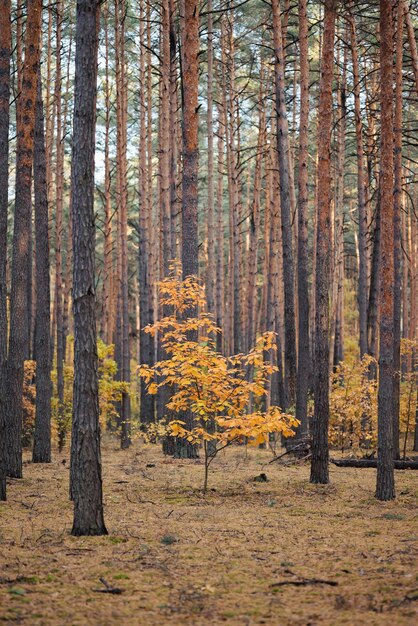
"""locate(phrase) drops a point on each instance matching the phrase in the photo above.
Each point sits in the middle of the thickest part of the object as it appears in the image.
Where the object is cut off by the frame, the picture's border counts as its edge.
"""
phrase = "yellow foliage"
(353, 405)
(28, 403)
(110, 392)
(217, 390)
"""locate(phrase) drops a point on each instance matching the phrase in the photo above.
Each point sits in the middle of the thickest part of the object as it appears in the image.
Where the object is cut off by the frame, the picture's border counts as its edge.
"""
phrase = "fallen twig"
(360, 463)
(305, 581)
(108, 588)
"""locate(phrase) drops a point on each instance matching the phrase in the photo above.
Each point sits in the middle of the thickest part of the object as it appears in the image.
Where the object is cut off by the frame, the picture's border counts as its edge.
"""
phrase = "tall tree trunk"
(42, 434)
(385, 484)
(320, 452)
(108, 304)
(220, 296)
(302, 385)
(190, 242)
(146, 347)
(173, 124)
(412, 42)
(18, 339)
(254, 227)
(338, 281)
(59, 198)
(210, 268)
(86, 474)
(283, 148)
(397, 208)
(5, 54)
(121, 159)
(361, 196)
(372, 311)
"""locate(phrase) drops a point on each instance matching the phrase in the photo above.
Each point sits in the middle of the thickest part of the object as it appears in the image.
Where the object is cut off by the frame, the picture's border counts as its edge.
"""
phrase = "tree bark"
(320, 452)
(190, 242)
(146, 347)
(302, 384)
(283, 148)
(5, 57)
(361, 196)
(385, 485)
(121, 159)
(210, 268)
(18, 339)
(42, 435)
(397, 208)
(86, 484)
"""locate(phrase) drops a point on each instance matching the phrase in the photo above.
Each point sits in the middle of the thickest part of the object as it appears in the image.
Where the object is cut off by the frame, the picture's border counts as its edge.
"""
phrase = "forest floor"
(184, 558)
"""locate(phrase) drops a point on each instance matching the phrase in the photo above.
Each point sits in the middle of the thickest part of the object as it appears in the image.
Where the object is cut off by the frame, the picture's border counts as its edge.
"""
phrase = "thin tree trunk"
(385, 484)
(18, 339)
(146, 347)
(190, 242)
(210, 269)
(86, 472)
(361, 196)
(397, 208)
(5, 55)
(121, 158)
(42, 433)
(108, 303)
(302, 385)
(320, 452)
(254, 227)
(59, 193)
(283, 148)
(337, 320)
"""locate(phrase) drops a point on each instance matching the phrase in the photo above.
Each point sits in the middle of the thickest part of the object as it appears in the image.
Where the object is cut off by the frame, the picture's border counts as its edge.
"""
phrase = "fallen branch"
(108, 588)
(299, 447)
(305, 581)
(360, 463)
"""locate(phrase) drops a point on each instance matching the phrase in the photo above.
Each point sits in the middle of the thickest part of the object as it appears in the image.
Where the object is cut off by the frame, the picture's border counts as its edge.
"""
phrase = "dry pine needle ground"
(183, 558)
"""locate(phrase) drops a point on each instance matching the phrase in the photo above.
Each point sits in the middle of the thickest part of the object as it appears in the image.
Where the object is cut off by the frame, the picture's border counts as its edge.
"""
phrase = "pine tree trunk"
(18, 339)
(302, 385)
(220, 296)
(283, 148)
(59, 191)
(108, 304)
(397, 208)
(86, 475)
(210, 268)
(121, 158)
(254, 226)
(361, 197)
(5, 56)
(320, 453)
(190, 242)
(42, 434)
(385, 485)
(146, 347)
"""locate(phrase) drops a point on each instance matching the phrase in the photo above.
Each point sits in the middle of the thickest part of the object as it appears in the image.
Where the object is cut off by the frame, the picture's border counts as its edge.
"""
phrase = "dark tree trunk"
(397, 230)
(361, 197)
(303, 196)
(283, 149)
(190, 242)
(146, 341)
(385, 485)
(374, 289)
(320, 452)
(5, 53)
(42, 435)
(86, 474)
(18, 339)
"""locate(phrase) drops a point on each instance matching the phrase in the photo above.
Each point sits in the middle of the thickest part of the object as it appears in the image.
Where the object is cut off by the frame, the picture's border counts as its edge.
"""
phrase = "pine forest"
(208, 312)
